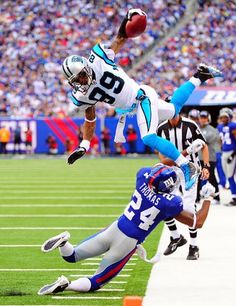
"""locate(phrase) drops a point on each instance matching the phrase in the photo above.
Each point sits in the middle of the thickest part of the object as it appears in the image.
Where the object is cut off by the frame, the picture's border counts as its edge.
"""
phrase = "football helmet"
(162, 179)
(226, 112)
(78, 73)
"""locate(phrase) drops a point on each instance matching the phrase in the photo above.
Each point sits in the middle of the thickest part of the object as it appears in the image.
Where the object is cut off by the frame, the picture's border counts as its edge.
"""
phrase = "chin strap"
(142, 253)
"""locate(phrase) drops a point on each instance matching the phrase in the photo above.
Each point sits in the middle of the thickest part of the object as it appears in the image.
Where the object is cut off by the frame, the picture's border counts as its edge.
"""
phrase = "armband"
(91, 121)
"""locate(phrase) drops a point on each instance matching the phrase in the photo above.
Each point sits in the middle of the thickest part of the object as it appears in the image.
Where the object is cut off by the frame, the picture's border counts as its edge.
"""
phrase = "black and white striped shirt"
(182, 135)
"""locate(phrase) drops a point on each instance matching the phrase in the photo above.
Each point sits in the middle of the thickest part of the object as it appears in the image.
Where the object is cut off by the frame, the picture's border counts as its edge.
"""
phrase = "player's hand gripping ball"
(137, 22)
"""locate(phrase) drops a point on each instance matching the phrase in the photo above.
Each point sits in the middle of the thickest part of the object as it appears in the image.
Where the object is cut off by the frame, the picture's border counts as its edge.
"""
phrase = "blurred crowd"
(35, 37)
(209, 37)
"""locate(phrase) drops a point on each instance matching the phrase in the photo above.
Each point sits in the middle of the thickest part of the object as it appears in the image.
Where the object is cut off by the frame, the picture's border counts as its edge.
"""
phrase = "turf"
(45, 193)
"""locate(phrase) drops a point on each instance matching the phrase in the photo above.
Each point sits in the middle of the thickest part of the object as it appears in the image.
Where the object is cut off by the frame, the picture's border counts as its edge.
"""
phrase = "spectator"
(212, 139)
(106, 137)
(52, 145)
(17, 140)
(68, 145)
(94, 146)
(227, 132)
(5, 137)
(131, 137)
(28, 141)
(194, 115)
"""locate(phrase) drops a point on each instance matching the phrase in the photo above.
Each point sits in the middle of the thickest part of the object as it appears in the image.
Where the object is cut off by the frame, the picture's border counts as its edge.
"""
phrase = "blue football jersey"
(147, 209)
(227, 137)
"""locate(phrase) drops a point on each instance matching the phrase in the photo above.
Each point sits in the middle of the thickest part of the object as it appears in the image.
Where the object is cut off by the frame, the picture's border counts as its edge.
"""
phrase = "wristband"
(85, 144)
(207, 166)
(90, 120)
(210, 198)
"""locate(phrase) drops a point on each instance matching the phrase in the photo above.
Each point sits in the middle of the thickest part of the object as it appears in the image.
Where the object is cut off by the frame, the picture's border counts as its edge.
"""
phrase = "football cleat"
(174, 244)
(55, 242)
(193, 253)
(205, 72)
(231, 203)
(190, 174)
(58, 286)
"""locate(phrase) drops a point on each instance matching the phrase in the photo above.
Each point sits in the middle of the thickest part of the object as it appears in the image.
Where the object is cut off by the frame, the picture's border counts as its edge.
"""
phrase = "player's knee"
(70, 259)
(150, 140)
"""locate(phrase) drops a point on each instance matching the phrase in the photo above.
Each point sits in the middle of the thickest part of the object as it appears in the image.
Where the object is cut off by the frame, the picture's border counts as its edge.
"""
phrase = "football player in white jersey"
(98, 78)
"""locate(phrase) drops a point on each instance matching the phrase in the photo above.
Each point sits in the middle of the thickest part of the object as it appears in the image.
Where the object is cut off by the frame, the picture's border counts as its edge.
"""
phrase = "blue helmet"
(162, 179)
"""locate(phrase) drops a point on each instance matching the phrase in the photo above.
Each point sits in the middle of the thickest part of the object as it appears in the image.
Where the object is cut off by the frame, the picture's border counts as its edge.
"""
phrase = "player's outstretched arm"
(121, 37)
(197, 220)
(88, 131)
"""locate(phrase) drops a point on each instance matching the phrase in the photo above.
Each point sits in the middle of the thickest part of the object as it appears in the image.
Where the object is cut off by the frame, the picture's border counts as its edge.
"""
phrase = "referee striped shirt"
(182, 135)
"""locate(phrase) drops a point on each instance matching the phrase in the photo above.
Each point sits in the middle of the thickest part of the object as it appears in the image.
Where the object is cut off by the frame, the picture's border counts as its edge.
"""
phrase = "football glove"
(231, 157)
(128, 16)
(195, 146)
(207, 191)
(76, 154)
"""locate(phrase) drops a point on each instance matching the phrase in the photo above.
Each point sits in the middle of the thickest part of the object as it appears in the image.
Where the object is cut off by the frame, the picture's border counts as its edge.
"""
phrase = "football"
(136, 25)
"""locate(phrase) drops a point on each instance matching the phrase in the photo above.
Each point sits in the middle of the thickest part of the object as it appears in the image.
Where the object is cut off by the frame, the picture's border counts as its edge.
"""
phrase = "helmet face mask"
(162, 179)
(78, 73)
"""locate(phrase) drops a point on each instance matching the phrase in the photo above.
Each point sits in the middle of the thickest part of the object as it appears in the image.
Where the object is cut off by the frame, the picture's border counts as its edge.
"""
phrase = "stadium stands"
(35, 37)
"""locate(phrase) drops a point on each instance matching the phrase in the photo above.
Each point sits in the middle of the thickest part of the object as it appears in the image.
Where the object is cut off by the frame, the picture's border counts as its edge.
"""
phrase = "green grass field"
(43, 197)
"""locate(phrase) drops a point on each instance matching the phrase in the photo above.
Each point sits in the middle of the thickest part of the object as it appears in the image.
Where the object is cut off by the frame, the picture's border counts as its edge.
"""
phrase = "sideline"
(210, 281)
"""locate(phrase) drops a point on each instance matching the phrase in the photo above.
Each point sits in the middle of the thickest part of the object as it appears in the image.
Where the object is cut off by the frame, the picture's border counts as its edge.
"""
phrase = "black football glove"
(76, 154)
(231, 157)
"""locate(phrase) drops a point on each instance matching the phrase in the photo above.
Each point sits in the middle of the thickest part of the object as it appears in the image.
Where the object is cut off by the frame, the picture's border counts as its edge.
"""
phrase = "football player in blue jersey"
(152, 202)
(227, 130)
(98, 78)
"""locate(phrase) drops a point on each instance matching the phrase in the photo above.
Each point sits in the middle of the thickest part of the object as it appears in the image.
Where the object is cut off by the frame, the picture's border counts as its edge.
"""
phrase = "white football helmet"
(78, 73)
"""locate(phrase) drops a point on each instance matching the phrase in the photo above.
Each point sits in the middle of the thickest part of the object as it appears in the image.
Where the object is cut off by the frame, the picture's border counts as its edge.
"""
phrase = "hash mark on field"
(50, 270)
(119, 275)
(60, 197)
(112, 191)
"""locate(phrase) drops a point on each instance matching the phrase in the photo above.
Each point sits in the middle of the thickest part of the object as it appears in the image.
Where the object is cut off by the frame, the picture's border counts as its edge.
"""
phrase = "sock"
(181, 95)
(193, 236)
(172, 227)
(195, 81)
(80, 285)
(162, 145)
(66, 250)
(232, 186)
(181, 160)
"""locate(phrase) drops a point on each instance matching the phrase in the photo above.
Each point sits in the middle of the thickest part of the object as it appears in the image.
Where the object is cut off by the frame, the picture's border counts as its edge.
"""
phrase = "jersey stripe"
(97, 49)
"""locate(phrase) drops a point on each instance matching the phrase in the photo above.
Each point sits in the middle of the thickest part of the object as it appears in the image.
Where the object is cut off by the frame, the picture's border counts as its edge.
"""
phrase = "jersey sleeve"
(233, 126)
(174, 207)
(197, 133)
(103, 54)
(80, 100)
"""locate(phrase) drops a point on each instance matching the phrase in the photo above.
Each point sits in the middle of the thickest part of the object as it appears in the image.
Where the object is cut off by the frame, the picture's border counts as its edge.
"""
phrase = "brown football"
(136, 25)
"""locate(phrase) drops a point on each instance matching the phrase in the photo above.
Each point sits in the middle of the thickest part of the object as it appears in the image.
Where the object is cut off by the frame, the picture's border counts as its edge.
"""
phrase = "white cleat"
(58, 286)
(55, 242)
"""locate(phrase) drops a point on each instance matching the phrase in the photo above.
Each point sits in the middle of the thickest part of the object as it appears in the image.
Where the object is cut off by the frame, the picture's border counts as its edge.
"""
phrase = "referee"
(184, 133)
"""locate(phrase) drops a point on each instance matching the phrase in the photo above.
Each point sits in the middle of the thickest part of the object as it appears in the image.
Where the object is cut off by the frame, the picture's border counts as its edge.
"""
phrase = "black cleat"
(174, 244)
(193, 253)
(205, 72)
(231, 203)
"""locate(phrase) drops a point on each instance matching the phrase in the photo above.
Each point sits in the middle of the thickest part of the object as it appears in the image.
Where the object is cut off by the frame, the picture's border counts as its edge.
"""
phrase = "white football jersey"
(112, 86)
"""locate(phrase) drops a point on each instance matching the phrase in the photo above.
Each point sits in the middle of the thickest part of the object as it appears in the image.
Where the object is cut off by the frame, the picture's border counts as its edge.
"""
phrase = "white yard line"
(62, 197)
(86, 297)
(119, 275)
(50, 228)
(50, 270)
(58, 216)
(209, 281)
(105, 191)
(104, 205)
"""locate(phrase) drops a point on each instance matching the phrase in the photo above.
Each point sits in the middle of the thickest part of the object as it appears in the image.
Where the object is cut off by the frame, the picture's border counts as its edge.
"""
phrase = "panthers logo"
(76, 59)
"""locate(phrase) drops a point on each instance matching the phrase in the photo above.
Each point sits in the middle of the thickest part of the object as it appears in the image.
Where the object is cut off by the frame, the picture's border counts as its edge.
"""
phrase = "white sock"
(195, 81)
(193, 241)
(181, 160)
(175, 234)
(81, 285)
(66, 250)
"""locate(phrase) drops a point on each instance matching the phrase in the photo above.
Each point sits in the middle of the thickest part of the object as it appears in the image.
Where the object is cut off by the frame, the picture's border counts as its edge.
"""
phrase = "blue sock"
(232, 185)
(181, 95)
(164, 146)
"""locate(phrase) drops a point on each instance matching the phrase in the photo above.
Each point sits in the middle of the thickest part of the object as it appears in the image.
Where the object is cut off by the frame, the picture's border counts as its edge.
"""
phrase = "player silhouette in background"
(151, 203)
(98, 78)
